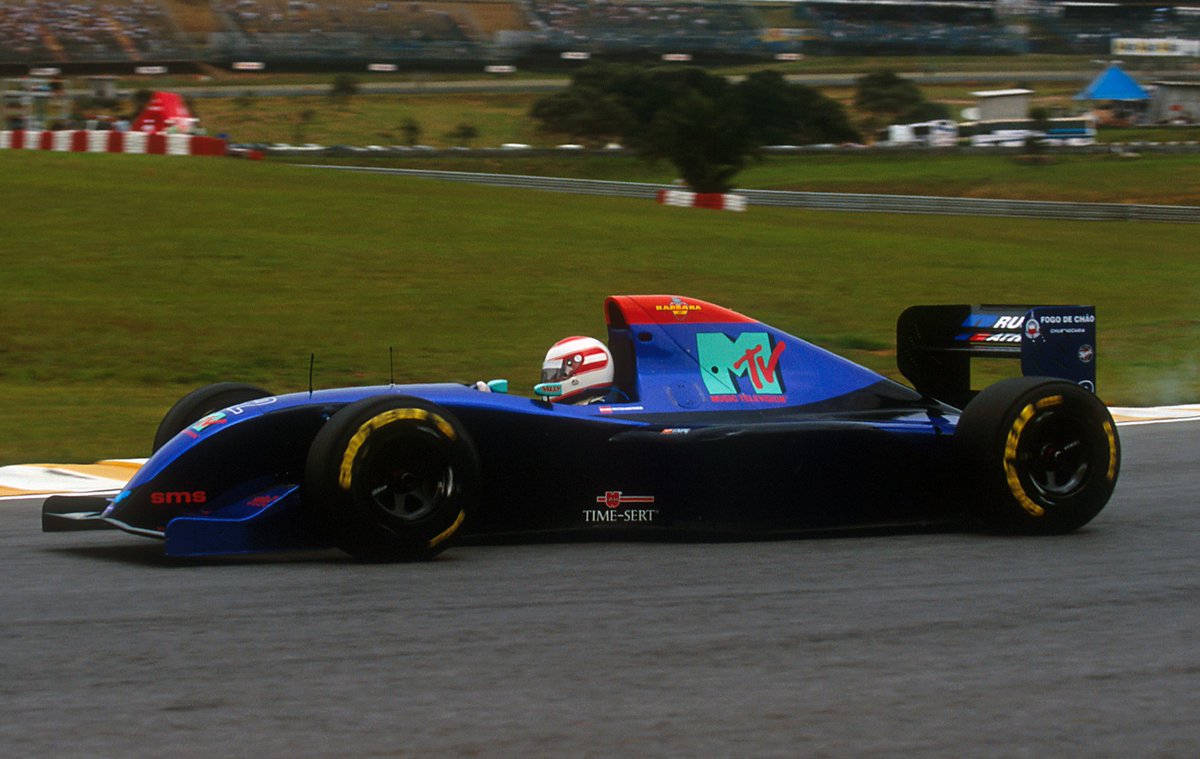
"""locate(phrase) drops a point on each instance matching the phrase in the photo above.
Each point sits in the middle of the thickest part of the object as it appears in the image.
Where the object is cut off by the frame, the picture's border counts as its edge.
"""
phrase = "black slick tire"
(200, 403)
(392, 478)
(1041, 456)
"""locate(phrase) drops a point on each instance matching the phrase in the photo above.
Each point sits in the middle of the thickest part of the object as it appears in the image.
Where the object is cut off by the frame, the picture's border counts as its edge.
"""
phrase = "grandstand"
(371, 19)
(193, 19)
(467, 32)
(1090, 27)
(980, 26)
(918, 26)
(60, 32)
(663, 26)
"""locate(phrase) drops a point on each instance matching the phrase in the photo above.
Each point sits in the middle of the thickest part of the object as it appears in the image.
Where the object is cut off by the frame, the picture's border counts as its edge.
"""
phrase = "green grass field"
(1151, 178)
(376, 119)
(128, 280)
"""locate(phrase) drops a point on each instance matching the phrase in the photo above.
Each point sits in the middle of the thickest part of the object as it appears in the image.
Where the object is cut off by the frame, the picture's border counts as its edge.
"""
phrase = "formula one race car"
(719, 427)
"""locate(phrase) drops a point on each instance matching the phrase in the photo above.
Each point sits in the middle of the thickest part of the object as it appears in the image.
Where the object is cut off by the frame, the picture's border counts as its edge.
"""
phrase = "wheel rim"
(408, 476)
(1056, 455)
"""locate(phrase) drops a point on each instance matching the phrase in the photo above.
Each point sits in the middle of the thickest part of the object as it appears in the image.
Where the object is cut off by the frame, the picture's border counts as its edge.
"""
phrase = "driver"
(583, 365)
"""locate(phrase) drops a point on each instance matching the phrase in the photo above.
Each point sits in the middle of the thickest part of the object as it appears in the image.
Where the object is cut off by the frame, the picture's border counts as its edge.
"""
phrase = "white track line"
(1156, 414)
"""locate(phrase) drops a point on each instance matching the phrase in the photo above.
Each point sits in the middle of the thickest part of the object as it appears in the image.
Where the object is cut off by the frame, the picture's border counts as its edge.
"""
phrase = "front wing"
(272, 520)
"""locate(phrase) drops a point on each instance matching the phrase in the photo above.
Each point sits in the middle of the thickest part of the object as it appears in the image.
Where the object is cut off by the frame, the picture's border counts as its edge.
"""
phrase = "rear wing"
(936, 344)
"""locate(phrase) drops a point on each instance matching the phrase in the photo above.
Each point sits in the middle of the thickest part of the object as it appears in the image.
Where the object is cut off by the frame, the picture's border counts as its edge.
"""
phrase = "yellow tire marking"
(1049, 401)
(449, 530)
(346, 470)
(1112, 450)
(1010, 456)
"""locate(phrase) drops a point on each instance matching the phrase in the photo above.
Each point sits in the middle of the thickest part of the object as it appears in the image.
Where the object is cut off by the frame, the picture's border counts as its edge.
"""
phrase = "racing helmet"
(583, 365)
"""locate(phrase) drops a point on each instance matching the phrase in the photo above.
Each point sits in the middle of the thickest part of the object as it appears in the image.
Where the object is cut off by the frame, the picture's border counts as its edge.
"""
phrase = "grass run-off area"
(129, 280)
(1150, 178)
(503, 117)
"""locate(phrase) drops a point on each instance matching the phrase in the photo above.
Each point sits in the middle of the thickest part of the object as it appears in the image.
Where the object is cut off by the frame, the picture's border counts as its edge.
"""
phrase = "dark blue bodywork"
(720, 426)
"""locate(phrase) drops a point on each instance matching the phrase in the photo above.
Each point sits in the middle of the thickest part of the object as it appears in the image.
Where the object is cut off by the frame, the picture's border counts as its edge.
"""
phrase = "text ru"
(628, 515)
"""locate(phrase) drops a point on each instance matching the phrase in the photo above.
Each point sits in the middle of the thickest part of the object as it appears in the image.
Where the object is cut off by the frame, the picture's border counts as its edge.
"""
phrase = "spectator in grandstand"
(572, 21)
(59, 30)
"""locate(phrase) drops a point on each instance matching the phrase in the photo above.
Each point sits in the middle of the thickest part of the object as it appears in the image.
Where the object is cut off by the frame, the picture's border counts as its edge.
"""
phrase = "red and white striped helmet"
(582, 364)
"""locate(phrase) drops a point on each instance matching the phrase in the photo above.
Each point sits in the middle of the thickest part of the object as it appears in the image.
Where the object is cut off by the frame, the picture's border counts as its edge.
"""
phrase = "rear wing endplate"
(936, 344)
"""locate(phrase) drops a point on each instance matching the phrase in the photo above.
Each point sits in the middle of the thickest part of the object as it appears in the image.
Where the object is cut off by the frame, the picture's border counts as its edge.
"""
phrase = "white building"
(1175, 102)
(998, 105)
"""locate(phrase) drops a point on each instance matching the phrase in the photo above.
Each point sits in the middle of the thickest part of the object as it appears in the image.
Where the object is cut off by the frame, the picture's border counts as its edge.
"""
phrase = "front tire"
(1042, 455)
(392, 478)
(201, 402)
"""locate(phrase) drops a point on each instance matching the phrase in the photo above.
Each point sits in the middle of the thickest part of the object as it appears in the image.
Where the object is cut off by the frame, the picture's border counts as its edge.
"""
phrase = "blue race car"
(716, 426)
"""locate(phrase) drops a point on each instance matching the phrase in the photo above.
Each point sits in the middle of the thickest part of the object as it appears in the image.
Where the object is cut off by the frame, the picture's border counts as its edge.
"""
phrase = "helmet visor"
(557, 371)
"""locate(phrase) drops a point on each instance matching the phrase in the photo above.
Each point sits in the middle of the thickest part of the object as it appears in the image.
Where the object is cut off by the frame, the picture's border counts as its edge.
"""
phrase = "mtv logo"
(751, 354)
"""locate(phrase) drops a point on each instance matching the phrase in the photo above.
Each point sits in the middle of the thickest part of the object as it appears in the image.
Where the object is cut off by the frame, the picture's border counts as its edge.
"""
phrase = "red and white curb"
(714, 200)
(108, 477)
(108, 141)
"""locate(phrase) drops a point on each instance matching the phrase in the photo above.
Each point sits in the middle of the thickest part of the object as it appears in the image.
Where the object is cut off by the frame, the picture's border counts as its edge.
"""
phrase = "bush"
(411, 130)
(463, 134)
(343, 88)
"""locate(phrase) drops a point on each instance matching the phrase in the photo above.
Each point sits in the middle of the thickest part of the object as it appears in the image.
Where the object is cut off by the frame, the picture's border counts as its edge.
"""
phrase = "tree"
(779, 113)
(463, 134)
(1040, 116)
(708, 128)
(888, 98)
(411, 130)
(705, 136)
(584, 114)
(886, 93)
(244, 101)
(926, 110)
(303, 120)
(343, 88)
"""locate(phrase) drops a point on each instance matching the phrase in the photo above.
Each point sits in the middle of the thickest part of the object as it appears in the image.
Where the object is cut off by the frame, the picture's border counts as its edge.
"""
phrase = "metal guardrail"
(826, 201)
(921, 204)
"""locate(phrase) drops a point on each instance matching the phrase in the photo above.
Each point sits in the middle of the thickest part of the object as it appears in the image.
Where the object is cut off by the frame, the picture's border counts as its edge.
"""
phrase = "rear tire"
(199, 403)
(392, 478)
(1042, 455)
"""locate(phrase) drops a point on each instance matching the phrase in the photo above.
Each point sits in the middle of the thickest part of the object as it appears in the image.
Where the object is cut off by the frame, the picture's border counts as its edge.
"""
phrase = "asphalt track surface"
(928, 645)
(424, 85)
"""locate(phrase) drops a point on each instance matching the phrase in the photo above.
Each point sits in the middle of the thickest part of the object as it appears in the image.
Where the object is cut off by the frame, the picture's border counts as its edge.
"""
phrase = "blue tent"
(1113, 84)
